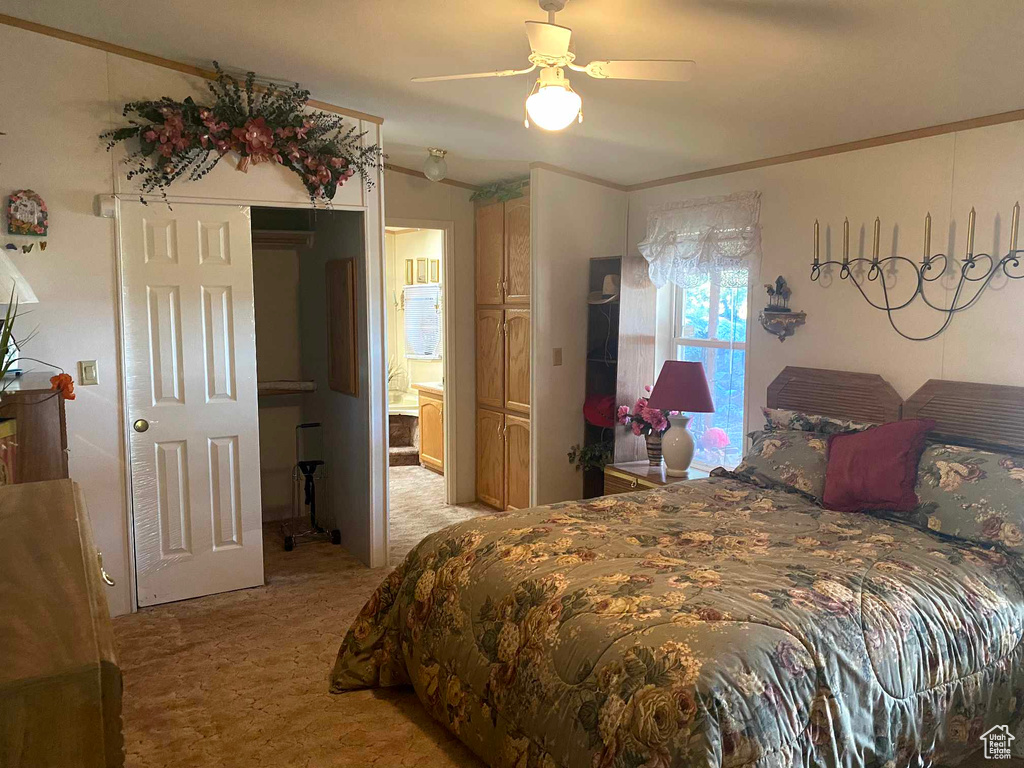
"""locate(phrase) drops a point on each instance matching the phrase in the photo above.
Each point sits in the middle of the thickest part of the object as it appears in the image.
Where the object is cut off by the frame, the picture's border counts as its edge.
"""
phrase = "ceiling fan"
(553, 104)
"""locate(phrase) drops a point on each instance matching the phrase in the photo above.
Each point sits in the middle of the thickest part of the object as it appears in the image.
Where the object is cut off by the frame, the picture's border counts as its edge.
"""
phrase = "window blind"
(422, 322)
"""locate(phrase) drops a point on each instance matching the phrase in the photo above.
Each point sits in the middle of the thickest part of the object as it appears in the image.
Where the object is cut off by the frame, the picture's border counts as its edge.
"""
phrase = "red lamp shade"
(682, 386)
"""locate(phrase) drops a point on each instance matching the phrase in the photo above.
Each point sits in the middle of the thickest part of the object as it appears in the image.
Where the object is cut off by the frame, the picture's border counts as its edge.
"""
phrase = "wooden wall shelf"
(267, 388)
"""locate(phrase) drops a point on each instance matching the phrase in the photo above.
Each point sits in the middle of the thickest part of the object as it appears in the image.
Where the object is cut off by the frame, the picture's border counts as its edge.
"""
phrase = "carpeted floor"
(240, 679)
(417, 508)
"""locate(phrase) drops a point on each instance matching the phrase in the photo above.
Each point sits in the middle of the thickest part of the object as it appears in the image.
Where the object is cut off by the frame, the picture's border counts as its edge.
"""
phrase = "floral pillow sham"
(781, 419)
(970, 494)
(792, 459)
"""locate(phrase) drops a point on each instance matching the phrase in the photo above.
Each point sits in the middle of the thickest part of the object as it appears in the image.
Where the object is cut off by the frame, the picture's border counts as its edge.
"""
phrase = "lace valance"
(689, 241)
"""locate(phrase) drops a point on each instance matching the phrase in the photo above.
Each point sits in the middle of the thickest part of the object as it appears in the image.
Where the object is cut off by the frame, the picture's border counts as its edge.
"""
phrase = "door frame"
(448, 397)
(109, 206)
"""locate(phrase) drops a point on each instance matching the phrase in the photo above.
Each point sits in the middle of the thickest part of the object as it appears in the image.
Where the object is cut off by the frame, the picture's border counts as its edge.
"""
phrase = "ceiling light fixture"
(553, 104)
(435, 168)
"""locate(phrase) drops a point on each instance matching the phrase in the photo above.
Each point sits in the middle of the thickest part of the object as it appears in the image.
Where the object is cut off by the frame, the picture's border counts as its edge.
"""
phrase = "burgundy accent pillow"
(876, 468)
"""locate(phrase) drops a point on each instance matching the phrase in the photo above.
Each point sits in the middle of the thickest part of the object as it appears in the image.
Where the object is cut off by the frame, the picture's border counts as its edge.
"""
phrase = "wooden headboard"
(987, 416)
(863, 397)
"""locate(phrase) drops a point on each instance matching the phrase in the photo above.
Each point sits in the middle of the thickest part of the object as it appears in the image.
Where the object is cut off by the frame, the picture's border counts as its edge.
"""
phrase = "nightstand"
(640, 475)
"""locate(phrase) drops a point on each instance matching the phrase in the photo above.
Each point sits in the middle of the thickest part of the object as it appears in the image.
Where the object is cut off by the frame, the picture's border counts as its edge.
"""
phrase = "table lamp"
(681, 386)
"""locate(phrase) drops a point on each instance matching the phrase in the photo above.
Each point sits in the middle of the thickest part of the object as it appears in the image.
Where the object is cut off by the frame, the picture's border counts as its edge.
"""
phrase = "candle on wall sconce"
(927, 238)
(970, 234)
(874, 248)
(816, 251)
(846, 241)
(1014, 226)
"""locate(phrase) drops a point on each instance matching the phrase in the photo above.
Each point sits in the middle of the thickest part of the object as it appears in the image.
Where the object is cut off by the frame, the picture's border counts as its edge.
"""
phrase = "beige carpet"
(240, 679)
(417, 508)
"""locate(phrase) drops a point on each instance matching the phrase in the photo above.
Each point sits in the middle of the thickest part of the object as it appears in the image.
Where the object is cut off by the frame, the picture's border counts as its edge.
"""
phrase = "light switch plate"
(556, 356)
(88, 374)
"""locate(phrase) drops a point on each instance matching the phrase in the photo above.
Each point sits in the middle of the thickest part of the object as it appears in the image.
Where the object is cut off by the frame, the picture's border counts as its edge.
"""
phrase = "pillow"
(876, 468)
(778, 418)
(971, 494)
(793, 459)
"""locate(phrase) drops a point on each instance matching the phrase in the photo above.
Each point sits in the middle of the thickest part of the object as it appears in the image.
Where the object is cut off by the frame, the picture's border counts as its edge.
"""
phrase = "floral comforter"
(709, 623)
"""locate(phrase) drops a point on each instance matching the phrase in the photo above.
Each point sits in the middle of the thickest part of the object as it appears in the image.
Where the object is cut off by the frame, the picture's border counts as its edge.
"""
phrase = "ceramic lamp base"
(677, 447)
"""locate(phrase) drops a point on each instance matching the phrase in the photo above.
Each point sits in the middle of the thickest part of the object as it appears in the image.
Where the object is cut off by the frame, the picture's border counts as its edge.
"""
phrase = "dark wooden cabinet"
(41, 437)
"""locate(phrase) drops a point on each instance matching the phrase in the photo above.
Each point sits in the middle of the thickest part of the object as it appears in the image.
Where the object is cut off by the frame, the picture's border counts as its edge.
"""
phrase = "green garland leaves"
(260, 124)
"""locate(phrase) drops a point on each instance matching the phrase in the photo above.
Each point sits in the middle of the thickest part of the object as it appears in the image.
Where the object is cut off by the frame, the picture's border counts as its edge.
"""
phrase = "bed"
(710, 624)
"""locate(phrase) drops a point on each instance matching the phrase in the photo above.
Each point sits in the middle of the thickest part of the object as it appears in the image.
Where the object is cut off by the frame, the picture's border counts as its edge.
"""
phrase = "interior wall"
(571, 222)
(900, 183)
(53, 146)
(345, 418)
(275, 282)
(412, 198)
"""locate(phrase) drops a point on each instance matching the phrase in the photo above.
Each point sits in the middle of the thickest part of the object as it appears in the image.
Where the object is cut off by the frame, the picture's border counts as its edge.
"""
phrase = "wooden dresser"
(60, 686)
(41, 437)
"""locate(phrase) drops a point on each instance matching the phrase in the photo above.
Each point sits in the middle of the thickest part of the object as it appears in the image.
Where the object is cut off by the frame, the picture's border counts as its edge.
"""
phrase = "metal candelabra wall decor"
(976, 269)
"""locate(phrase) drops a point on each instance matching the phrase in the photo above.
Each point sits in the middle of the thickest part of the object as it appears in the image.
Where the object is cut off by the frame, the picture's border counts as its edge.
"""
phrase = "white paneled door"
(190, 363)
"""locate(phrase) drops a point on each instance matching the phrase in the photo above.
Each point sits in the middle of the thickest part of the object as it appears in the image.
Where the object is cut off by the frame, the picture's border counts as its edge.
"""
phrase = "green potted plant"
(594, 456)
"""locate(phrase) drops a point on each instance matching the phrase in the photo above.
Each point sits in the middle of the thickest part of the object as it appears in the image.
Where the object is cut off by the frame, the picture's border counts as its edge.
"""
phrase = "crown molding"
(837, 149)
(580, 176)
(177, 66)
(420, 175)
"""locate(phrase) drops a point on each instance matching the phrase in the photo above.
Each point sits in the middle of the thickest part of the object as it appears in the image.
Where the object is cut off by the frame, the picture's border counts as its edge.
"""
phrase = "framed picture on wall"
(410, 277)
(421, 270)
(435, 270)
(342, 344)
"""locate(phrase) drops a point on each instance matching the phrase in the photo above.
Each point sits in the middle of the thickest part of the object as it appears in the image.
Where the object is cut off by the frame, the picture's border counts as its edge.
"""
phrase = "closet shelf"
(264, 388)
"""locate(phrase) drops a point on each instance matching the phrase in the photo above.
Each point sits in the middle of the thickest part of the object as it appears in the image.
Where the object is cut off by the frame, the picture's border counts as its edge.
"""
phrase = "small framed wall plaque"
(26, 214)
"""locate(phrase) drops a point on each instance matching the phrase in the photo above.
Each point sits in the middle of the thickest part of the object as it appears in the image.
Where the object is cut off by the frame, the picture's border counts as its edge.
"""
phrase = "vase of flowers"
(649, 423)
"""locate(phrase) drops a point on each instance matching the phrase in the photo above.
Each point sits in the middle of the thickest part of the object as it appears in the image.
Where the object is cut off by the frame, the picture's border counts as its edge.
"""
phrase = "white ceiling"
(774, 76)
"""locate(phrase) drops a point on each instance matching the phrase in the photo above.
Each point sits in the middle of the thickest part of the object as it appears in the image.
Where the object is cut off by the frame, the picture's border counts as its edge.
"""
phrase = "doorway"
(311, 352)
(213, 329)
(421, 431)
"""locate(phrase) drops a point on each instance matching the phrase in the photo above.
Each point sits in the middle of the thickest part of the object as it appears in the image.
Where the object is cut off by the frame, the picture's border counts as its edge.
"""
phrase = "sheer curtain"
(708, 248)
(690, 241)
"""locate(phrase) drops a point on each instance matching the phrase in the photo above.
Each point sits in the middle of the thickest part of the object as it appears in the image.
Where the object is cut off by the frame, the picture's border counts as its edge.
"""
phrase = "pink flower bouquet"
(645, 420)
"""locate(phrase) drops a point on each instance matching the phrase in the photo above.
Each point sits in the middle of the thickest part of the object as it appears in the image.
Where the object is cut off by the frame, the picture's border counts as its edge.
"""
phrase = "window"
(422, 321)
(709, 325)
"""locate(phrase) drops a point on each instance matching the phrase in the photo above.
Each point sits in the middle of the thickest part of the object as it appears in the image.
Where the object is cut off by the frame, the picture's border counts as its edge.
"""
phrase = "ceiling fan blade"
(473, 75)
(666, 70)
(549, 40)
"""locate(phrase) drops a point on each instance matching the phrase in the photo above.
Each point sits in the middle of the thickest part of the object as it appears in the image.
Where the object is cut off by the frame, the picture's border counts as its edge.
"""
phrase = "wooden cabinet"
(60, 685)
(490, 457)
(42, 439)
(503, 353)
(503, 459)
(503, 252)
(490, 357)
(431, 404)
(490, 249)
(517, 251)
(517, 360)
(517, 462)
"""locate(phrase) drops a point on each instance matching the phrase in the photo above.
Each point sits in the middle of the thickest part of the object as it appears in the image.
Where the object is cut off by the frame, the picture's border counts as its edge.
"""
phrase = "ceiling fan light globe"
(553, 107)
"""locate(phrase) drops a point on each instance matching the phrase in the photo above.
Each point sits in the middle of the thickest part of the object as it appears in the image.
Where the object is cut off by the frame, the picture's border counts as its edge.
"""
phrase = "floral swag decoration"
(259, 123)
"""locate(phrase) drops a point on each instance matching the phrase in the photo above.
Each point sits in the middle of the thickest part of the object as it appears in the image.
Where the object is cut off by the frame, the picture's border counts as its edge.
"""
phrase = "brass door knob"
(140, 425)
